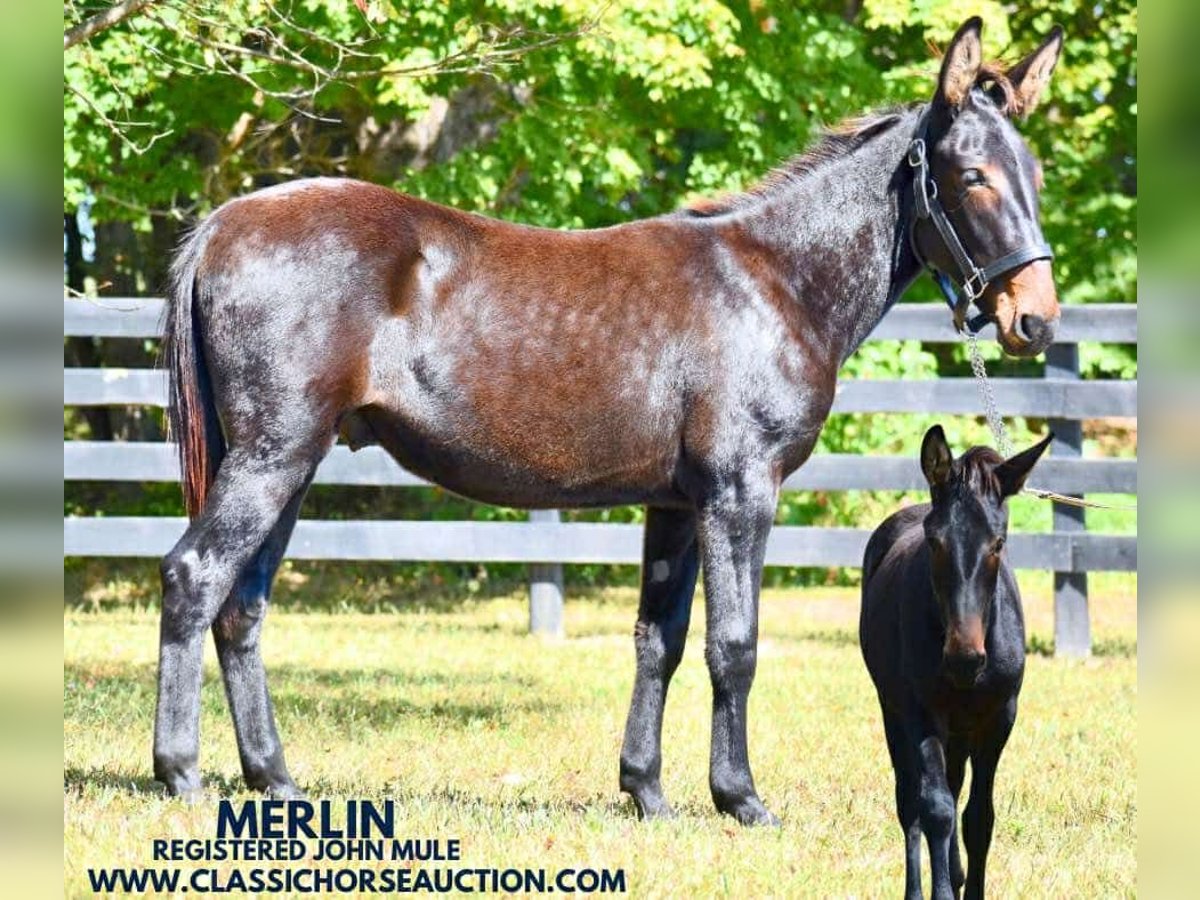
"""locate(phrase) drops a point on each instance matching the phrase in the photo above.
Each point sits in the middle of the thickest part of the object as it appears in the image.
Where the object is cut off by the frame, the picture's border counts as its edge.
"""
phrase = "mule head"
(988, 183)
(965, 532)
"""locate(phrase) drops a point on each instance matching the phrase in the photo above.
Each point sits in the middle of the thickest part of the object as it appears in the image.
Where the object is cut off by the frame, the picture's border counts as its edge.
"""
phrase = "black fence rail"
(546, 543)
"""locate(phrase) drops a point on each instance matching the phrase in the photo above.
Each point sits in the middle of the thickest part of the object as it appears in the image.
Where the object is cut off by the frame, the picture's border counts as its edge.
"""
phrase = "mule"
(943, 636)
(685, 362)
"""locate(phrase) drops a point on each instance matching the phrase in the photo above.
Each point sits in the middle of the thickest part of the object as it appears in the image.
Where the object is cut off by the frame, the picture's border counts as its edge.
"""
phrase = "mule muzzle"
(964, 655)
(1024, 306)
(963, 669)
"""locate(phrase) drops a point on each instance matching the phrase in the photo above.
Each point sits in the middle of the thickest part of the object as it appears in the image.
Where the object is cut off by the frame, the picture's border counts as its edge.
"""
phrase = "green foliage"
(655, 104)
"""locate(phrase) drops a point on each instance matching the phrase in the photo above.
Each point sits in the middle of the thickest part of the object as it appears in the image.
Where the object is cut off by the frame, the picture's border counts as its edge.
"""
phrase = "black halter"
(973, 278)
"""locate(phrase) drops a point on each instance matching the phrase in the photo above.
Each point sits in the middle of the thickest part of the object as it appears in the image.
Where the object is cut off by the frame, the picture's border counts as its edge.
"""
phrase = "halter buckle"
(970, 283)
(916, 153)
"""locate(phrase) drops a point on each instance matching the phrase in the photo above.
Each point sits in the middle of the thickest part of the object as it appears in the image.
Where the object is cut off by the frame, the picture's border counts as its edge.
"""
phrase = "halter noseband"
(973, 278)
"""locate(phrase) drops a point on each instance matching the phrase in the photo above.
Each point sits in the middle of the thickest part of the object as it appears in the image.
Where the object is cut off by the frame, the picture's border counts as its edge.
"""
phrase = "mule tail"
(192, 419)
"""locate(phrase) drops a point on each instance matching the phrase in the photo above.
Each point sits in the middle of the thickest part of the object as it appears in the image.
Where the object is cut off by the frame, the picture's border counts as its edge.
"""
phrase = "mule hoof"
(189, 795)
(180, 779)
(284, 791)
(656, 809)
(751, 812)
(649, 803)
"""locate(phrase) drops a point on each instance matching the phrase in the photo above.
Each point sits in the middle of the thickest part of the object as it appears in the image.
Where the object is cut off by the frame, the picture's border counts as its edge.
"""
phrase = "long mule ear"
(960, 65)
(1030, 76)
(1014, 470)
(936, 457)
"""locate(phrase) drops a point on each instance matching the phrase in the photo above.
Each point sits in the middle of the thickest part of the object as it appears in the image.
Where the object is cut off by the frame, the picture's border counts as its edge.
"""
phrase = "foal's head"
(988, 182)
(965, 531)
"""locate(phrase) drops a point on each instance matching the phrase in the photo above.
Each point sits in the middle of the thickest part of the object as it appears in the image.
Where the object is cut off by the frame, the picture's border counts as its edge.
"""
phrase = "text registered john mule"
(685, 362)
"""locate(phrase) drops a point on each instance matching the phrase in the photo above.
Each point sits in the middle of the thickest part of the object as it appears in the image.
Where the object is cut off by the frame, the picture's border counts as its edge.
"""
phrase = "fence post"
(1072, 630)
(545, 588)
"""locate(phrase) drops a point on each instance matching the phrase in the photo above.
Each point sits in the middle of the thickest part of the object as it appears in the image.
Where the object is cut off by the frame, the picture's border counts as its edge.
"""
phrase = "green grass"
(510, 743)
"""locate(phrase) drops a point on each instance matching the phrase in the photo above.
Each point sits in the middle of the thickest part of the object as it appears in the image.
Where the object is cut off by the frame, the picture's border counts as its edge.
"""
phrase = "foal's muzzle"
(964, 668)
(964, 654)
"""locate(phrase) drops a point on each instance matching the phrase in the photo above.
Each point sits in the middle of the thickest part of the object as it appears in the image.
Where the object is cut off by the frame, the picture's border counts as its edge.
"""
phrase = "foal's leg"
(236, 632)
(734, 522)
(670, 562)
(245, 502)
(936, 805)
(908, 801)
(980, 816)
(956, 768)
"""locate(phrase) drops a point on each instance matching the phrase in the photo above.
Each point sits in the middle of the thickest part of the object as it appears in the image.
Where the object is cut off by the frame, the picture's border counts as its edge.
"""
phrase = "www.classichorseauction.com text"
(336, 836)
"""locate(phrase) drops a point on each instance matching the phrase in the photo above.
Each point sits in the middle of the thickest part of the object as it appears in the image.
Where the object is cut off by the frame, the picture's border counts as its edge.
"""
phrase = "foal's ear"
(1030, 76)
(960, 65)
(1014, 470)
(936, 457)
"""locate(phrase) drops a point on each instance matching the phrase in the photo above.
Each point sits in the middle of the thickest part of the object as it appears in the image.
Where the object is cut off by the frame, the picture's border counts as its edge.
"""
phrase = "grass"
(510, 743)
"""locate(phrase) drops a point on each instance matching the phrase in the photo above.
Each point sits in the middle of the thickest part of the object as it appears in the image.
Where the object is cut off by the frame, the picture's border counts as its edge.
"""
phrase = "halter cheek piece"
(973, 278)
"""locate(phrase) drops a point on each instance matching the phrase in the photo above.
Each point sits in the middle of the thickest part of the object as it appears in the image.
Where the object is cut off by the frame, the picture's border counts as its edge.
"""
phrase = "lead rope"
(990, 410)
(1000, 432)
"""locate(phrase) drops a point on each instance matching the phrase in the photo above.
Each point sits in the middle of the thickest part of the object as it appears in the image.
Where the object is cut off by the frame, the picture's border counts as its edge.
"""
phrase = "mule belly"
(485, 472)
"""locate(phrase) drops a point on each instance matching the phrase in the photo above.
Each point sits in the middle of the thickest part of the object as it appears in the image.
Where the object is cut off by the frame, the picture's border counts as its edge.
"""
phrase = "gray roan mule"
(943, 636)
(685, 362)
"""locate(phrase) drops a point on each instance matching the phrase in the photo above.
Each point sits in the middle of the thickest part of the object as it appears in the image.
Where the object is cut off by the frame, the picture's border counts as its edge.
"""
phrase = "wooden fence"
(546, 543)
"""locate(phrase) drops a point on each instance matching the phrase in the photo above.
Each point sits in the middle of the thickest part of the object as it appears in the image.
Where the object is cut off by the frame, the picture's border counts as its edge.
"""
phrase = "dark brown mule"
(685, 362)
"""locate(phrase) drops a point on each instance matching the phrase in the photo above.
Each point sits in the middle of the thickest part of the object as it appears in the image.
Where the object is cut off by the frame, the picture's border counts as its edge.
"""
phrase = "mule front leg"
(670, 563)
(734, 525)
(979, 817)
(937, 810)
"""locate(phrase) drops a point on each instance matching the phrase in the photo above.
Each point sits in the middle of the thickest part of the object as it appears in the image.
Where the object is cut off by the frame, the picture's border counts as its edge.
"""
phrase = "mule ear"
(1030, 76)
(936, 457)
(1014, 470)
(960, 65)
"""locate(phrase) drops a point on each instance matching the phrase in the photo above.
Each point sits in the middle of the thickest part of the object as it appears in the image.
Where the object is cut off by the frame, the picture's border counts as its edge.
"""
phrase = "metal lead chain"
(1000, 432)
(994, 419)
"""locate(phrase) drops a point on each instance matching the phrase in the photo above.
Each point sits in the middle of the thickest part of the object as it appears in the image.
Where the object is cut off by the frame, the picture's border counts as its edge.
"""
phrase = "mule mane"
(834, 143)
(842, 139)
(976, 470)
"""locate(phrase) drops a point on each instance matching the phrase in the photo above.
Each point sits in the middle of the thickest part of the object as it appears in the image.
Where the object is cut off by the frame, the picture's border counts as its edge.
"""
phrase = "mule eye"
(998, 545)
(973, 178)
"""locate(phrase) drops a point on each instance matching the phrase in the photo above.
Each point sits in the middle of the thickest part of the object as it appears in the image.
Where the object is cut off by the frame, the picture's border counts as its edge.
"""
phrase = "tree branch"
(102, 20)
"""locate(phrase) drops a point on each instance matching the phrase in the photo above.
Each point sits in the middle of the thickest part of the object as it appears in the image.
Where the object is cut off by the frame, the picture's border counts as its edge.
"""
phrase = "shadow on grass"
(347, 698)
(1113, 647)
(341, 698)
(217, 785)
(99, 778)
(76, 778)
(1035, 644)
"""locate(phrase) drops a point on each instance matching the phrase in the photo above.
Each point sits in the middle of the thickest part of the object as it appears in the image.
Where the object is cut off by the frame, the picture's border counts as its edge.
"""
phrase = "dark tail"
(191, 414)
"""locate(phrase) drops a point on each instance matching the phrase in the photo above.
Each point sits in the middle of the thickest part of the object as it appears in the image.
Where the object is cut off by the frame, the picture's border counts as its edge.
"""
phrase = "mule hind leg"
(670, 563)
(245, 503)
(237, 633)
